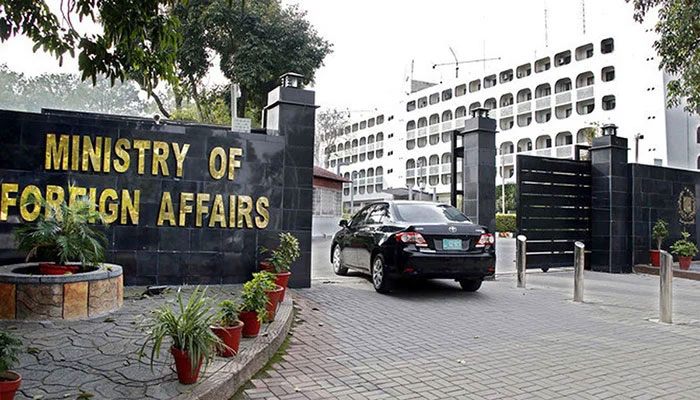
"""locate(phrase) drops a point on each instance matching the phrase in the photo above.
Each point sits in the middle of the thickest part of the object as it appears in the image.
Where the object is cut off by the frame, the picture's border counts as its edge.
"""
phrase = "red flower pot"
(55, 269)
(266, 266)
(685, 262)
(655, 257)
(251, 325)
(183, 366)
(9, 383)
(282, 279)
(273, 300)
(231, 336)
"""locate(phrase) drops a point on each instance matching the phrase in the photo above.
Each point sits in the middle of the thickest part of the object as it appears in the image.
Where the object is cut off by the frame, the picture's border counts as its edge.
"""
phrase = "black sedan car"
(413, 239)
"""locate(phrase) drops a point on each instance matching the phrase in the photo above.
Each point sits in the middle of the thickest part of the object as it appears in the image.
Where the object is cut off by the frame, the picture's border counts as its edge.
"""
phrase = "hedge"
(506, 223)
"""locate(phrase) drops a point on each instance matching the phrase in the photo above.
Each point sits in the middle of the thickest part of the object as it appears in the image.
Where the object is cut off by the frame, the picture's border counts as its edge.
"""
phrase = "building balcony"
(459, 123)
(411, 134)
(447, 126)
(563, 98)
(370, 147)
(362, 181)
(379, 145)
(370, 180)
(410, 172)
(525, 107)
(446, 168)
(422, 132)
(584, 93)
(379, 180)
(432, 129)
(563, 151)
(542, 103)
(363, 149)
(434, 170)
(506, 111)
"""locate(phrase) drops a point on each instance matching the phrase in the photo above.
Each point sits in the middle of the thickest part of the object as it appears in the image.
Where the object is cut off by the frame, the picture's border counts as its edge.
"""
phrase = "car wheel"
(545, 269)
(380, 280)
(338, 267)
(470, 285)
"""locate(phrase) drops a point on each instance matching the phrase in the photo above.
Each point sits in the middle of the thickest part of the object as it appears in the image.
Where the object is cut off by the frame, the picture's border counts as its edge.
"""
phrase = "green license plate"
(452, 244)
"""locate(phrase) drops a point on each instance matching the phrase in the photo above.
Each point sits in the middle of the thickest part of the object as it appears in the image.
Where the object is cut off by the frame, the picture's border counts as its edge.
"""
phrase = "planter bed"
(30, 296)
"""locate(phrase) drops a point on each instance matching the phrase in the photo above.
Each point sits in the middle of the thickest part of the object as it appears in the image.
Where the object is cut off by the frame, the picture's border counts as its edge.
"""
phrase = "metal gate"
(554, 208)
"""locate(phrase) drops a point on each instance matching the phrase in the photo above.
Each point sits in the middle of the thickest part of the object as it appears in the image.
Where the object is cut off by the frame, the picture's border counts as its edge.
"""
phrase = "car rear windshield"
(429, 213)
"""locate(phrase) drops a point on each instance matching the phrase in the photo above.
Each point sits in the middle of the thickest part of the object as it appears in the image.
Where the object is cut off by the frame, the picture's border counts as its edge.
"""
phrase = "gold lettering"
(130, 207)
(201, 208)
(233, 163)
(142, 146)
(219, 154)
(107, 156)
(92, 194)
(180, 157)
(120, 151)
(31, 197)
(245, 207)
(218, 212)
(92, 154)
(232, 211)
(184, 207)
(167, 211)
(160, 155)
(111, 210)
(7, 201)
(263, 217)
(74, 192)
(75, 153)
(56, 153)
(54, 198)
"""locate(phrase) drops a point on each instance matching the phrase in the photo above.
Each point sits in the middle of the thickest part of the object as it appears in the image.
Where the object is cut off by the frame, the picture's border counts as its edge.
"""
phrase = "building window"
(370, 122)
(506, 123)
(490, 104)
(461, 112)
(506, 100)
(542, 65)
(697, 134)
(543, 90)
(422, 102)
(585, 107)
(434, 139)
(474, 106)
(447, 136)
(523, 71)
(608, 74)
(380, 119)
(474, 86)
(446, 94)
(391, 153)
(434, 98)
(410, 144)
(422, 142)
(584, 52)
(524, 119)
(391, 135)
(434, 119)
(390, 171)
(489, 81)
(411, 105)
(562, 58)
(461, 90)
(563, 112)
(562, 85)
(608, 102)
(585, 79)
(607, 46)
(354, 127)
(363, 124)
(506, 76)
(524, 95)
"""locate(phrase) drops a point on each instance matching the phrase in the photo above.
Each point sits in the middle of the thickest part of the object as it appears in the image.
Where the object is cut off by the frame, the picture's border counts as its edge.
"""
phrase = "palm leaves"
(64, 232)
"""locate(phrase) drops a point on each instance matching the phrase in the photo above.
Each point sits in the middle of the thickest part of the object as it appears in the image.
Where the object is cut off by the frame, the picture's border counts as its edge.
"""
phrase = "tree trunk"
(159, 103)
(195, 96)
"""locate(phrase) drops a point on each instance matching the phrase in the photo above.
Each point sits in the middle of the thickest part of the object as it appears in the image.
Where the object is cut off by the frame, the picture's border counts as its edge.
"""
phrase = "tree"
(510, 198)
(678, 46)
(67, 91)
(138, 39)
(329, 122)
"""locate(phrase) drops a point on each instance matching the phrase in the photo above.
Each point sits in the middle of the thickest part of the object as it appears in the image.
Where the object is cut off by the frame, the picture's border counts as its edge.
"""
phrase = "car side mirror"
(343, 223)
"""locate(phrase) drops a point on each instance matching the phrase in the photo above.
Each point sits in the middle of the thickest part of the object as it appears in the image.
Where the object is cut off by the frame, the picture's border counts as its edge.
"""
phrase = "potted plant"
(659, 232)
(193, 342)
(64, 235)
(281, 258)
(253, 308)
(272, 290)
(228, 328)
(685, 250)
(9, 380)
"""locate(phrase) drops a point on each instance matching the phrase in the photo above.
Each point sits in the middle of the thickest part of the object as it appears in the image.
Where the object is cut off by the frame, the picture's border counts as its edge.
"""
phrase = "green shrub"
(506, 223)
(684, 247)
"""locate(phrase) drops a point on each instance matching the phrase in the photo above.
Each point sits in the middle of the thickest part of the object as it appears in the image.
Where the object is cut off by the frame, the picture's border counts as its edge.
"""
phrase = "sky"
(376, 41)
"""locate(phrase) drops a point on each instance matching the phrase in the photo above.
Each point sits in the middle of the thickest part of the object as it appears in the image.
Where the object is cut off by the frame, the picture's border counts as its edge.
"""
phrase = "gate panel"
(554, 208)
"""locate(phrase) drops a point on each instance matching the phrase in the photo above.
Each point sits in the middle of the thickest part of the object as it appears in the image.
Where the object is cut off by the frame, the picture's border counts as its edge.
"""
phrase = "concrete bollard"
(666, 288)
(579, 263)
(521, 260)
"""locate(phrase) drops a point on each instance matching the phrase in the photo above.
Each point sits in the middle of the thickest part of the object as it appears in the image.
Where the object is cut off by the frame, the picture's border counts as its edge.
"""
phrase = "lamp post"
(637, 138)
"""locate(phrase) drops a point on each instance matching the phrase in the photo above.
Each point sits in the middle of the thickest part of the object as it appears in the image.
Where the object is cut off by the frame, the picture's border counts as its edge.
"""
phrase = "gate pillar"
(479, 168)
(610, 203)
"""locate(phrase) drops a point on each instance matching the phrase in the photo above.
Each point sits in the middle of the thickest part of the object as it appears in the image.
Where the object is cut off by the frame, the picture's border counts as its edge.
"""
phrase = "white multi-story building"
(543, 106)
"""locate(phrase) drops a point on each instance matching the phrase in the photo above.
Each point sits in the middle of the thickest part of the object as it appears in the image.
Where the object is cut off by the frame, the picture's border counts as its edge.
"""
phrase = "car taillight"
(486, 239)
(411, 238)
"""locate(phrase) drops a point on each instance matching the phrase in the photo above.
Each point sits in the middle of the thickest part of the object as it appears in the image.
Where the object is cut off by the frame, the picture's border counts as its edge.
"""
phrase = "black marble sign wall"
(188, 203)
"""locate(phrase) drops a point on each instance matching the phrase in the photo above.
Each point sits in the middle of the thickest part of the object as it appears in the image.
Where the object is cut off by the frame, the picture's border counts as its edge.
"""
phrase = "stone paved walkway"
(436, 342)
(99, 357)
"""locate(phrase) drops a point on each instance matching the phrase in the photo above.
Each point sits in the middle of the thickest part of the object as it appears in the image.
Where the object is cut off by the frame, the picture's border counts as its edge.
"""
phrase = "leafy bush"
(254, 297)
(283, 256)
(9, 347)
(64, 233)
(189, 330)
(506, 223)
(684, 247)
(228, 313)
(659, 232)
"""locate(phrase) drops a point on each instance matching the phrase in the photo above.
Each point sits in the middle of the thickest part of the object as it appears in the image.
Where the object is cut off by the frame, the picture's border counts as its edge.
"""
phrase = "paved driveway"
(433, 341)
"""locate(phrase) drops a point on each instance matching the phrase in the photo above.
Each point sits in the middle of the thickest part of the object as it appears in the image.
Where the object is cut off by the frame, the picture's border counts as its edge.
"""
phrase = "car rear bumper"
(412, 263)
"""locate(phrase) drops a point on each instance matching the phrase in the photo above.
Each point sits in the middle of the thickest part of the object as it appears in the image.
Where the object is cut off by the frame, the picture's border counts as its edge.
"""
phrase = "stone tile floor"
(433, 341)
(100, 357)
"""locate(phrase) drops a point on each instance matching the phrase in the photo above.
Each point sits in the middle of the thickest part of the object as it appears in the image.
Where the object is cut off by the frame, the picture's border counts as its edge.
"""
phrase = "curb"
(677, 273)
(228, 375)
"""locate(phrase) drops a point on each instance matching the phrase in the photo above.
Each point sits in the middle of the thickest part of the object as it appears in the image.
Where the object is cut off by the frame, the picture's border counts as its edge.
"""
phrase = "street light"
(637, 138)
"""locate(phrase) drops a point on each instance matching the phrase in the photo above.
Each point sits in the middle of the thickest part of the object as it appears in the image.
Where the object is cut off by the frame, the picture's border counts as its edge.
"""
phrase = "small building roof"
(326, 174)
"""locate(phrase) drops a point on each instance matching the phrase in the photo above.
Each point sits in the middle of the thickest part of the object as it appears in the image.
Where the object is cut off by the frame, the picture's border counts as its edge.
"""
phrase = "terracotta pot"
(655, 257)
(273, 300)
(183, 366)
(266, 266)
(9, 383)
(231, 336)
(251, 325)
(685, 262)
(55, 269)
(281, 280)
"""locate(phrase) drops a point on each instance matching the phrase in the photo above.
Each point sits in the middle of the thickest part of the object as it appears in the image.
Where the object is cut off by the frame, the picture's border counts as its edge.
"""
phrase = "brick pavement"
(432, 341)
